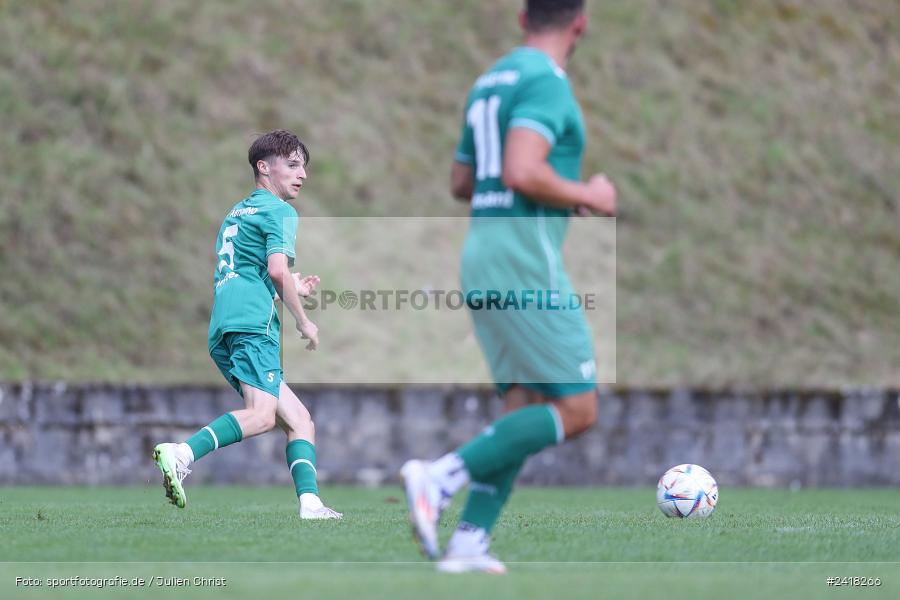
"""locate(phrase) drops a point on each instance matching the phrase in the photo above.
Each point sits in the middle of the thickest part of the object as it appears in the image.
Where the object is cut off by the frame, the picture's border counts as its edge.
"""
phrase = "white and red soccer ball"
(687, 492)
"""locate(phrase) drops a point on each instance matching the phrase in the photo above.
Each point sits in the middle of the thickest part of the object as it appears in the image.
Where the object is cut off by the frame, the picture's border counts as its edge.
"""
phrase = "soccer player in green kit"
(518, 163)
(256, 248)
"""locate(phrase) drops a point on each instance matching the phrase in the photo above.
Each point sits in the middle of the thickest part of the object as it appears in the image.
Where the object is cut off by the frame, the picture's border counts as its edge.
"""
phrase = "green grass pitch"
(759, 543)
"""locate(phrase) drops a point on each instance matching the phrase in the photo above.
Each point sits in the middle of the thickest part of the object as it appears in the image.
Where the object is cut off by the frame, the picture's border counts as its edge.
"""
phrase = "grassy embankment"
(755, 146)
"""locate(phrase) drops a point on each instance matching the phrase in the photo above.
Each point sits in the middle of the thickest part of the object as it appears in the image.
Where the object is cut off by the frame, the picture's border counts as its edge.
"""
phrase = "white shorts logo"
(271, 377)
(588, 369)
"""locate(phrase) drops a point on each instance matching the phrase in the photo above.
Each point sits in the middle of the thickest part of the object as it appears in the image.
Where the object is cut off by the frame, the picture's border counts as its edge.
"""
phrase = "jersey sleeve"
(280, 229)
(541, 104)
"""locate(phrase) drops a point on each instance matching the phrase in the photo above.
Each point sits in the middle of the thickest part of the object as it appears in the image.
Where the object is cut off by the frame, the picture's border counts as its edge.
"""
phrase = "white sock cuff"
(448, 462)
(557, 420)
(468, 540)
(450, 472)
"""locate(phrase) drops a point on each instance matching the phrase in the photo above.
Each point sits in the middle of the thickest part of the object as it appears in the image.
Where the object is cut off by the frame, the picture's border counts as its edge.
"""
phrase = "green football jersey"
(513, 248)
(244, 298)
(527, 89)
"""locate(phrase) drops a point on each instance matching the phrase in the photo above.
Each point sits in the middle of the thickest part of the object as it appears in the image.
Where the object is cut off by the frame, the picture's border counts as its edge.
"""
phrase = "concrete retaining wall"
(59, 434)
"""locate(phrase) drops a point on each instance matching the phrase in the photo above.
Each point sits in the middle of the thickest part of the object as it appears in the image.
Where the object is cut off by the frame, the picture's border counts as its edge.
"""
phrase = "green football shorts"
(253, 358)
(549, 351)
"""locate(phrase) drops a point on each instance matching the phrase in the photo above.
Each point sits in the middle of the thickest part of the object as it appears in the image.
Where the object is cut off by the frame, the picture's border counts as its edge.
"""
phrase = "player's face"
(287, 175)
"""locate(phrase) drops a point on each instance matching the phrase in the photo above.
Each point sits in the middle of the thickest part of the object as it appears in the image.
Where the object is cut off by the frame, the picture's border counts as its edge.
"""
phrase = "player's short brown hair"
(551, 14)
(280, 142)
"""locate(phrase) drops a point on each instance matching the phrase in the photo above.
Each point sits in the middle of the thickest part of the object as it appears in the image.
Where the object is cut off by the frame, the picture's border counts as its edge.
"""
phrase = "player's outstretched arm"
(283, 280)
(526, 170)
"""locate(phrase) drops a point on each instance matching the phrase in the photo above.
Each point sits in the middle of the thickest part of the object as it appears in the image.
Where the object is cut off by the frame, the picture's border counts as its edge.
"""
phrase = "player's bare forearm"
(540, 183)
(286, 288)
(285, 285)
(526, 171)
(296, 308)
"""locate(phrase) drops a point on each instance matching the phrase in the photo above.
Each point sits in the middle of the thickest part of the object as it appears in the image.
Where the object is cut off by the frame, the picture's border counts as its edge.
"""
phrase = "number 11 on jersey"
(482, 117)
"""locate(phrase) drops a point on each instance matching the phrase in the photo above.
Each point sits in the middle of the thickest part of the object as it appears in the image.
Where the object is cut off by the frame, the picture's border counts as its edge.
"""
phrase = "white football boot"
(311, 507)
(483, 563)
(320, 513)
(468, 552)
(174, 470)
(424, 499)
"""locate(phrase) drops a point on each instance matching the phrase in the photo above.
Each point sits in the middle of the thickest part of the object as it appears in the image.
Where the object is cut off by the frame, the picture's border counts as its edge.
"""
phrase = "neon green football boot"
(173, 472)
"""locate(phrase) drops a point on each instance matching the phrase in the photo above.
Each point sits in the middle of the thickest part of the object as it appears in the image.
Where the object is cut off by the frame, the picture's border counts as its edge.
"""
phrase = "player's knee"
(266, 419)
(589, 417)
(299, 423)
(300, 419)
(306, 428)
(579, 416)
(581, 422)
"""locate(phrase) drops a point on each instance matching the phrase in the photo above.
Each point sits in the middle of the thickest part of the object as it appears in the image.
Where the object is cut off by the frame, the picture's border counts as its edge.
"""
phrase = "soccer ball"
(687, 492)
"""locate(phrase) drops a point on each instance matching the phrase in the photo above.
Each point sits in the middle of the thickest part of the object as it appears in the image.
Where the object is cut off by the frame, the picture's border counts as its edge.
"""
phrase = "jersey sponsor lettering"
(240, 212)
(496, 78)
(228, 277)
(502, 199)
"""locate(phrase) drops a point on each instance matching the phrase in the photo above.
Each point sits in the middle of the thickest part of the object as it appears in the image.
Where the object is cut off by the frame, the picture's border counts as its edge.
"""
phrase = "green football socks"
(488, 496)
(301, 460)
(220, 433)
(510, 440)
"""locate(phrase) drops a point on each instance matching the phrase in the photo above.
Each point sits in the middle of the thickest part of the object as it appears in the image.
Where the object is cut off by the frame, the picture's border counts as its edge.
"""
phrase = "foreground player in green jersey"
(255, 249)
(519, 163)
